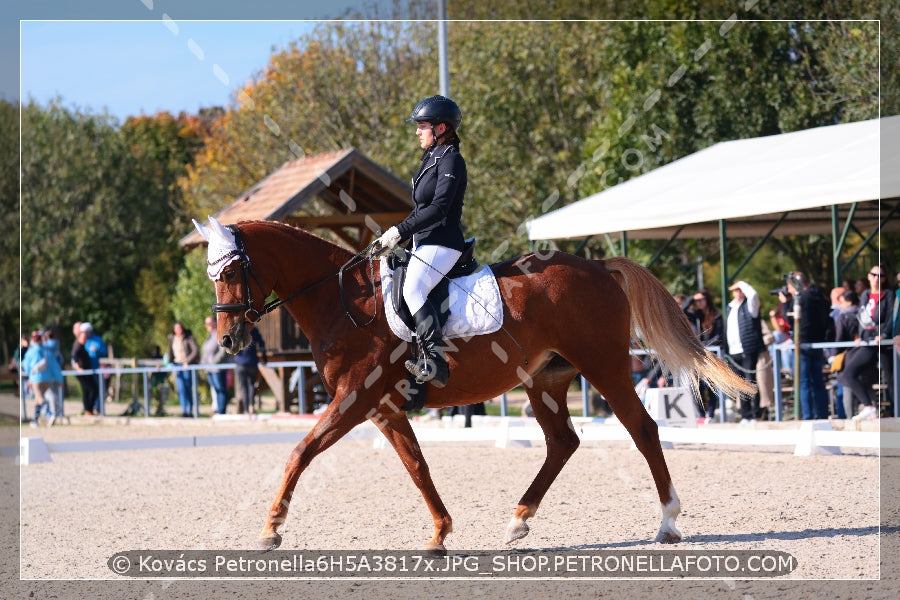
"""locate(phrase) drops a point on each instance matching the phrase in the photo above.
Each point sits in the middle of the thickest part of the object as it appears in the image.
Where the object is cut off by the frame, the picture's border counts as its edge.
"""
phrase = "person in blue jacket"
(44, 377)
(434, 226)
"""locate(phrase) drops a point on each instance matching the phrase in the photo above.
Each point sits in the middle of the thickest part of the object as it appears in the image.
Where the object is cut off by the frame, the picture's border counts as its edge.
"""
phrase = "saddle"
(440, 295)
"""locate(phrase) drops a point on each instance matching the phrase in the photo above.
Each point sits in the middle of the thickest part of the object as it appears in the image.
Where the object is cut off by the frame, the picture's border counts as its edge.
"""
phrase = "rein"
(253, 315)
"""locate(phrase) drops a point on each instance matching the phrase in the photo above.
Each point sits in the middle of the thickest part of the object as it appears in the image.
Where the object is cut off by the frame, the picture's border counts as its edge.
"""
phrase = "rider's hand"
(386, 242)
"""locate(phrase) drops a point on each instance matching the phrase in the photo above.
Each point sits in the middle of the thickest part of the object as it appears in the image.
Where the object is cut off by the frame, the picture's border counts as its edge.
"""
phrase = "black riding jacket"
(438, 189)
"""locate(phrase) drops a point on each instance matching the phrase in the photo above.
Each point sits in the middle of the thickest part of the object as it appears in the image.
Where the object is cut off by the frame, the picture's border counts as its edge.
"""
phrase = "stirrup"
(423, 369)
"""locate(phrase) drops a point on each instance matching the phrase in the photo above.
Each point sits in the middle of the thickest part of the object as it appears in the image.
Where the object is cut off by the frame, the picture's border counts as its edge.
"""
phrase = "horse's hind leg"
(616, 387)
(399, 433)
(547, 392)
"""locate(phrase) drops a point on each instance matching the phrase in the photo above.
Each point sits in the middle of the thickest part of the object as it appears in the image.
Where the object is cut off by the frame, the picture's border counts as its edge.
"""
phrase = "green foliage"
(9, 221)
(98, 202)
(553, 112)
(345, 84)
(677, 88)
(194, 294)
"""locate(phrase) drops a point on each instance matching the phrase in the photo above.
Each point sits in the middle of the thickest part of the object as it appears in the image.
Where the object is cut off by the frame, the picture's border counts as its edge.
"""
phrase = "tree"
(712, 83)
(9, 222)
(345, 84)
(581, 106)
(97, 208)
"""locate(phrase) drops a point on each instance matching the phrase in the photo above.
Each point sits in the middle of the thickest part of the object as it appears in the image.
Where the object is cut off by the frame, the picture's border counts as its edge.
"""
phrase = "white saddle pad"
(474, 313)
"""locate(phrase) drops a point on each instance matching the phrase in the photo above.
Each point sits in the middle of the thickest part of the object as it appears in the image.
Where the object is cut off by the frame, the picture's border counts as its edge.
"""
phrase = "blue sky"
(132, 67)
(134, 56)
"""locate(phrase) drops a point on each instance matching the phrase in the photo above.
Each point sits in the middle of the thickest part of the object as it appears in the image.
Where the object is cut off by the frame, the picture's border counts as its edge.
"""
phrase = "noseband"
(253, 315)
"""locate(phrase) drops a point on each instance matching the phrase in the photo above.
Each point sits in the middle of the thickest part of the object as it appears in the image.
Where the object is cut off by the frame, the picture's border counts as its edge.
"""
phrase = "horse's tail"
(658, 320)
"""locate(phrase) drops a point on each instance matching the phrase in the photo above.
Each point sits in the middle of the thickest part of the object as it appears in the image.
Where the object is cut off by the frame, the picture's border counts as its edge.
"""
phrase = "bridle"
(252, 315)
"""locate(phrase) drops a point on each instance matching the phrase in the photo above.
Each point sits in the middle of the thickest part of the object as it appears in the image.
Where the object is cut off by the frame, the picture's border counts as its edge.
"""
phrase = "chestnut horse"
(562, 315)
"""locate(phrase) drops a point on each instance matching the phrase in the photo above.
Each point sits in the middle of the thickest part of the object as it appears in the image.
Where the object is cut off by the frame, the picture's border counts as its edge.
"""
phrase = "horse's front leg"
(343, 414)
(396, 428)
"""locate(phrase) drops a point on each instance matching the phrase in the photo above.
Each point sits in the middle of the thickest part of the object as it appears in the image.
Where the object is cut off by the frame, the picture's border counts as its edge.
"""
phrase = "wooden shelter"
(342, 192)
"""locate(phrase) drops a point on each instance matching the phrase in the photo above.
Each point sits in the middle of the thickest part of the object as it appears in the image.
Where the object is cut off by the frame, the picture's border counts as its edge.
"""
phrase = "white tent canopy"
(750, 183)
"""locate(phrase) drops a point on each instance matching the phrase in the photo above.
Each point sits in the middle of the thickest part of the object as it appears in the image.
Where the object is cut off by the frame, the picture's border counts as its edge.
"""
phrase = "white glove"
(386, 242)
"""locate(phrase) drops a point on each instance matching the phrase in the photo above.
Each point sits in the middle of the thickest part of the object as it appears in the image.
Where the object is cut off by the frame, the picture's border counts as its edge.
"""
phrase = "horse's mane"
(328, 247)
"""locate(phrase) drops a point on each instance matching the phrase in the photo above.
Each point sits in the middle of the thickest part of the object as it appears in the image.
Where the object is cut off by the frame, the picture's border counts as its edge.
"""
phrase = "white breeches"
(427, 267)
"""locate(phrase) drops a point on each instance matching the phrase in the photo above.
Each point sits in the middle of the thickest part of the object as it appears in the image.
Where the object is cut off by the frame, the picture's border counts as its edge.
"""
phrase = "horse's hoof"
(668, 537)
(516, 530)
(269, 542)
(435, 550)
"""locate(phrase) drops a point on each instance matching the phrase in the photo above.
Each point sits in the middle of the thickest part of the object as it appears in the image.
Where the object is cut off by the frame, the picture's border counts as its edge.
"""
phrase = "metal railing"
(146, 372)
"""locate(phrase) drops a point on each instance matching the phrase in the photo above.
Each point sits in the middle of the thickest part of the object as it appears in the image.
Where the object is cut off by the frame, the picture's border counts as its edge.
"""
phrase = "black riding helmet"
(437, 109)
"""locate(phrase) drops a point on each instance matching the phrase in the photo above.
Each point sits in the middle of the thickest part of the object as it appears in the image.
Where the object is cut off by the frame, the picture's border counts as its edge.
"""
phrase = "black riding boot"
(433, 368)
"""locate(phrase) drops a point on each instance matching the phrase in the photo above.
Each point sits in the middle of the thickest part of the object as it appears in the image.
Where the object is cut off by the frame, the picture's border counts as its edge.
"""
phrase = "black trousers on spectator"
(747, 369)
(861, 372)
(89, 391)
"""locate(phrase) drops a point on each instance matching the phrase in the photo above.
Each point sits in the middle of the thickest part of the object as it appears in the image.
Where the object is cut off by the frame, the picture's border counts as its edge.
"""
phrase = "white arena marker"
(33, 450)
(806, 442)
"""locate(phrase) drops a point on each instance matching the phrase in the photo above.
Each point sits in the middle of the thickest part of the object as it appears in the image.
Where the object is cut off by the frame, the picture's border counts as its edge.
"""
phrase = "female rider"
(433, 226)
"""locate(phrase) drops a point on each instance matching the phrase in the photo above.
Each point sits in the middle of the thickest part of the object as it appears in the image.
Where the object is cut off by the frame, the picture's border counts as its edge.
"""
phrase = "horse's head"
(240, 295)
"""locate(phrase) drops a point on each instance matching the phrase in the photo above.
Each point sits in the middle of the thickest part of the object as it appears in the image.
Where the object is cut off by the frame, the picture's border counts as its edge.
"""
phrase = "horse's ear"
(204, 231)
(221, 231)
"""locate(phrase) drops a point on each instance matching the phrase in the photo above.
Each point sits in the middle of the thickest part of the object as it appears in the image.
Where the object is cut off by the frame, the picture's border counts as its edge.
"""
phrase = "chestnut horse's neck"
(298, 266)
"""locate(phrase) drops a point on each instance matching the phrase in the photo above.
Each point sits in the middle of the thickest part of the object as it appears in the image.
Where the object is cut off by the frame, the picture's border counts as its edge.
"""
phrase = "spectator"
(744, 341)
(183, 351)
(211, 353)
(781, 328)
(32, 362)
(247, 369)
(81, 361)
(159, 382)
(896, 328)
(710, 330)
(52, 346)
(846, 328)
(46, 379)
(814, 324)
(15, 365)
(875, 315)
(764, 376)
(96, 349)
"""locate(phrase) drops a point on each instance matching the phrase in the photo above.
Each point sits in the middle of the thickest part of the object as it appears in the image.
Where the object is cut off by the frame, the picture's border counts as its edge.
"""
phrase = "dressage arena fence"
(807, 437)
(298, 382)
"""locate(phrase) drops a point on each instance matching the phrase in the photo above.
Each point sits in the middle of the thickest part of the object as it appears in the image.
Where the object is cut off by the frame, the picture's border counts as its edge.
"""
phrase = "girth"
(440, 295)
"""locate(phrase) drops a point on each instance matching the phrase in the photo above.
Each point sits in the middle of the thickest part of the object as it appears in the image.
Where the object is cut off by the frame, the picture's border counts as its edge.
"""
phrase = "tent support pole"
(871, 236)
(583, 243)
(664, 247)
(839, 243)
(836, 245)
(723, 262)
(624, 238)
(759, 245)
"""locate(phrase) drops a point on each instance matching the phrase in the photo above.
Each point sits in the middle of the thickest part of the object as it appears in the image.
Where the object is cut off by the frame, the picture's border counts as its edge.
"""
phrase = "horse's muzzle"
(237, 338)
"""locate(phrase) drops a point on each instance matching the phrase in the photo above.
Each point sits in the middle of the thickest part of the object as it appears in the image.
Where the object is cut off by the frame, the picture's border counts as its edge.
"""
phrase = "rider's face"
(426, 133)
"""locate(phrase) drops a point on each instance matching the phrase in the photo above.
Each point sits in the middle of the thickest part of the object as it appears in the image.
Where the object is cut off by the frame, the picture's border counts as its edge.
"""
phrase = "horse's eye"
(228, 274)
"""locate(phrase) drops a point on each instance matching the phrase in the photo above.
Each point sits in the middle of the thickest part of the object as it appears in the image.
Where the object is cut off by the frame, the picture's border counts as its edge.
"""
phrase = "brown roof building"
(355, 194)
(343, 192)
